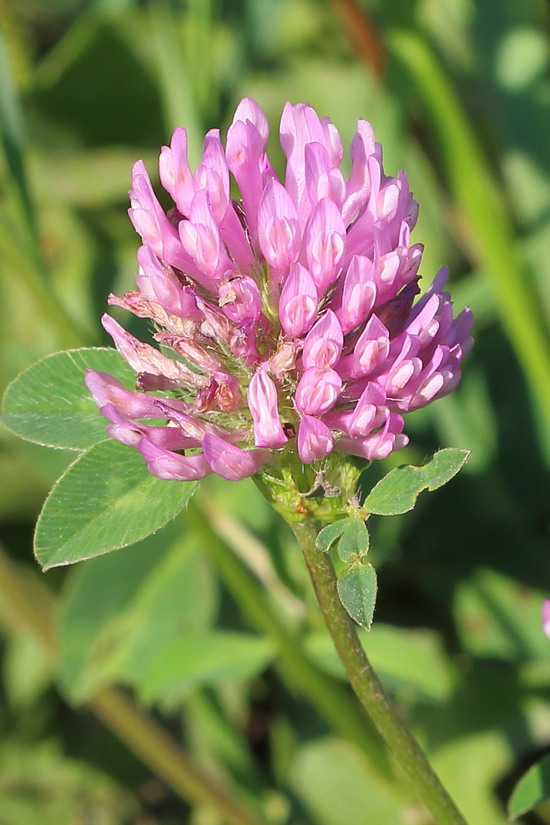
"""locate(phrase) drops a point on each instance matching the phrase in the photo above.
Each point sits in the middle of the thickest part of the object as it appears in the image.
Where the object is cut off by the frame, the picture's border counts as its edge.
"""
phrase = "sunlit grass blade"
(489, 227)
(200, 53)
(13, 144)
(33, 274)
(174, 77)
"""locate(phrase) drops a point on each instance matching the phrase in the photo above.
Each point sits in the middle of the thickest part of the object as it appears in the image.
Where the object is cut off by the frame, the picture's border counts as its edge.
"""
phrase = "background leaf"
(122, 609)
(497, 617)
(532, 789)
(330, 780)
(410, 663)
(105, 500)
(205, 658)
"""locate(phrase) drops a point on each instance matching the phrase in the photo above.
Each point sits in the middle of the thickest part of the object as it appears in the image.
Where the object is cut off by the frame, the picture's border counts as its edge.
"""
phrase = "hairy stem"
(404, 748)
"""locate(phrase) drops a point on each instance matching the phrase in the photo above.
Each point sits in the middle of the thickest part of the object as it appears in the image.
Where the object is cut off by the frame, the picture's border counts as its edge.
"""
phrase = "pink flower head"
(287, 317)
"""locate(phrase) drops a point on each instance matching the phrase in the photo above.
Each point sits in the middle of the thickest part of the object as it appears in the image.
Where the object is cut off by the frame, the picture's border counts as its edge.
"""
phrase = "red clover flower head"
(287, 319)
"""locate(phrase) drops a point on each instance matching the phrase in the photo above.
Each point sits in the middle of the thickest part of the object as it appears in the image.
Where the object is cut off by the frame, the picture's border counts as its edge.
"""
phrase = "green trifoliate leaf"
(397, 492)
(357, 590)
(105, 500)
(354, 541)
(532, 789)
(351, 536)
(50, 404)
(331, 533)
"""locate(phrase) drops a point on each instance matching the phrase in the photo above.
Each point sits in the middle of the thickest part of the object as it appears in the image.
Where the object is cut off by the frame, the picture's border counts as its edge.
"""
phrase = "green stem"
(405, 749)
(327, 695)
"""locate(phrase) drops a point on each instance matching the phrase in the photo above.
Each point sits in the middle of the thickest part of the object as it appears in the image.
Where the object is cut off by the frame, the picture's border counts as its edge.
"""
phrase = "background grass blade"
(488, 224)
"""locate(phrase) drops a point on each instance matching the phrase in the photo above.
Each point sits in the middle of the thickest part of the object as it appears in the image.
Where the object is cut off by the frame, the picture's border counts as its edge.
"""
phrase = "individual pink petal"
(300, 125)
(240, 299)
(323, 344)
(358, 294)
(246, 158)
(171, 466)
(233, 235)
(298, 302)
(388, 200)
(159, 283)
(200, 238)
(401, 374)
(427, 391)
(460, 331)
(323, 244)
(370, 351)
(174, 171)
(248, 110)
(322, 178)
(127, 431)
(262, 401)
(314, 439)
(435, 288)
(395, 269)
(151, 222)
(377, 445)
(212, 175)
(278, 230)
(365, 227)
(108, 390)
(359, 185)
(318, 390)
(145, 358)
(229, 461)
(368, 413)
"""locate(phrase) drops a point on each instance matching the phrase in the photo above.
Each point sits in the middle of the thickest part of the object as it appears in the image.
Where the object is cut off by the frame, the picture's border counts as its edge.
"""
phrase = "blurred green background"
(210, 626)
